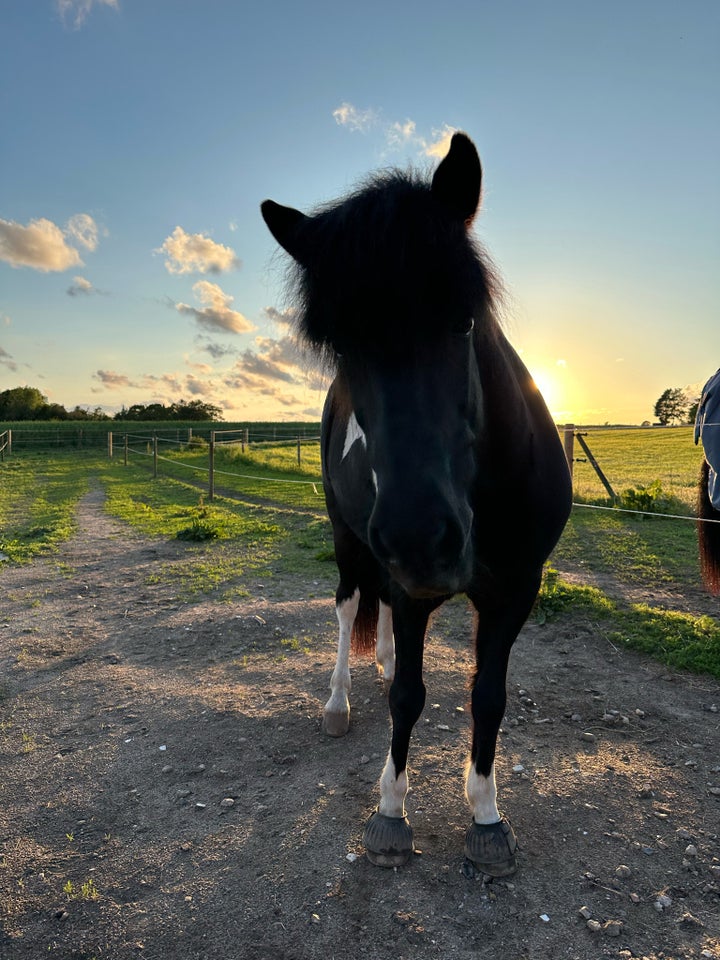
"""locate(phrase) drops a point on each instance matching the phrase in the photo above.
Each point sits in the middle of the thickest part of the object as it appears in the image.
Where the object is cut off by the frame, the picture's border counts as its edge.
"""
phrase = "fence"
(188, 454)
(614, 466)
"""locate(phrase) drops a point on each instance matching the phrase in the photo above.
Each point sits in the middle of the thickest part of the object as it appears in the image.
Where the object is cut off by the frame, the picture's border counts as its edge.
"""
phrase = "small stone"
(635, 898)
(167, 769)
(587, 736)
(689, 921)
(200, 806)
(682, 834)
(715, 791)
(662, 902)
(594, 926)
(576, 718)
(646, 792)
(613, 928)
(585, 912)
(545, 918)
(364, 759)
(518, 768)
(639, 713)
(315, 918)
(227, 803)
(183, 792)
(715, 870)
(443, 726)
(691, 850)
(351, 857)
(623, 871)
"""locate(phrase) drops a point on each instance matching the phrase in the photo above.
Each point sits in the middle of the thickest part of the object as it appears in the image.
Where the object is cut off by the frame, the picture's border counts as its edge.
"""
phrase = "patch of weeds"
(86, 891)
(648, 499)
(679, 640)
(296, 645)
(556, 596)
(28, 742)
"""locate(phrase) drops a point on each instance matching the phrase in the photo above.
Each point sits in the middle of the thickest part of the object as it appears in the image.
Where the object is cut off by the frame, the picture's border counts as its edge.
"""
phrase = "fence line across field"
(569, 435)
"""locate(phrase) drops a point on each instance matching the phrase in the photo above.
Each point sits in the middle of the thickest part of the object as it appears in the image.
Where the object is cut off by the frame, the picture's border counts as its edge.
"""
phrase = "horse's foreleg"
(336, 714)
(388, 836)
(490, 842)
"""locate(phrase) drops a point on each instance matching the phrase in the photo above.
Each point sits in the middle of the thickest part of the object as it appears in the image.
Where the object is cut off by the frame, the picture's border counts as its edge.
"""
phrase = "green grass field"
(269, 510)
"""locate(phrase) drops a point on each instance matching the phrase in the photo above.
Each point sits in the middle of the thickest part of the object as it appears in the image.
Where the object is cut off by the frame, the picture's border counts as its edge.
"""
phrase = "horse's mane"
(386, 262)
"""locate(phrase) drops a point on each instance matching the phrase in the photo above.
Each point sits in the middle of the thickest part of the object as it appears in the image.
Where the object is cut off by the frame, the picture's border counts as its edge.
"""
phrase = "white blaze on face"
(482, 796)
(354, 432)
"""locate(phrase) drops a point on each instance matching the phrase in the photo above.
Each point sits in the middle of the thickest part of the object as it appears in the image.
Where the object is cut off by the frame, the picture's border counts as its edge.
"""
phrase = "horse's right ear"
(458, 179)
(284, 224)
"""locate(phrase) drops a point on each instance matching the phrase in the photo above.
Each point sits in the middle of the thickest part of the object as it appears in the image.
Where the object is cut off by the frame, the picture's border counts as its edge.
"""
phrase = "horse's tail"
(708, 534)
(364, 631)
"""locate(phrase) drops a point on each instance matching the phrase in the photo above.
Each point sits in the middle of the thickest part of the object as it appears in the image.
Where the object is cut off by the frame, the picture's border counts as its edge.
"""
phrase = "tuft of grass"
(38, 498)
(679, 640)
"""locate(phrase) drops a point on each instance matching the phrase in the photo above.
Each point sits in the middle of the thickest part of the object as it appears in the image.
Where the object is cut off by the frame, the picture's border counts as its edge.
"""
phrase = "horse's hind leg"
(336, 714)
(385, 648)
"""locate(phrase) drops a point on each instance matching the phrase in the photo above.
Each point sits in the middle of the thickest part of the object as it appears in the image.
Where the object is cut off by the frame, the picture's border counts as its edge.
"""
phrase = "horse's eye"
(466, 328)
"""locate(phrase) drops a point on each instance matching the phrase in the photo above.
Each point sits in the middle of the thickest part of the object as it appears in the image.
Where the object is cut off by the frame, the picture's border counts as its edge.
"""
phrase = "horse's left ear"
(458, 179)
(284, 224)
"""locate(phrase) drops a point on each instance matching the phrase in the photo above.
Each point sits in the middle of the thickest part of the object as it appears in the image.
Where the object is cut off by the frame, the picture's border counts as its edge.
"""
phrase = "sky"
(138, 138)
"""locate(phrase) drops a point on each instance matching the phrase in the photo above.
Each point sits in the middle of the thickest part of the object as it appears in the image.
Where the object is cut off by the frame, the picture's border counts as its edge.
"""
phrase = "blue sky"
(140, 136)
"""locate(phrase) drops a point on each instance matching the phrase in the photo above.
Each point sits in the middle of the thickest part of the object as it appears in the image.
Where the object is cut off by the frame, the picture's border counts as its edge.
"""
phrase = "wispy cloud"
(346, 115)
(6, 360)
(196, 253)
(76, 11)
(81, 287)
(83, 230)
(216, 313)
(398, 134)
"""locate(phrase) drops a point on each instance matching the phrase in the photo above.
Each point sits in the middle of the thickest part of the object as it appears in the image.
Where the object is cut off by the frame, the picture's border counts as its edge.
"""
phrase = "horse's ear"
(284, 224)
(458, 179)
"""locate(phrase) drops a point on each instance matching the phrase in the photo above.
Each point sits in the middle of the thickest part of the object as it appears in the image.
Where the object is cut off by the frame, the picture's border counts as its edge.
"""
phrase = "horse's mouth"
(424, 588)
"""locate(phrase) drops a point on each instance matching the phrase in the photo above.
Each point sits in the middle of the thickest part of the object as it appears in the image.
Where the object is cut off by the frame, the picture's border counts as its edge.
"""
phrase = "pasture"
(167, 790)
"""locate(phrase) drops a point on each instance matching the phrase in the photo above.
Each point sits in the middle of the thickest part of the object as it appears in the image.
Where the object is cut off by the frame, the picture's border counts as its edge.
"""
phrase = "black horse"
(442, 467)
(707, 431)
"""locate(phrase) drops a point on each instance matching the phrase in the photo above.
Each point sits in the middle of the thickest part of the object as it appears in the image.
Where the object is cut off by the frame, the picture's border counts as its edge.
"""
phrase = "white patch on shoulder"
(354, 432)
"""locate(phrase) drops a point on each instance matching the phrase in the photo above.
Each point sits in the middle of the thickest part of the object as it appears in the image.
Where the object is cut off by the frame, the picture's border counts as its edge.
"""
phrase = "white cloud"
(398, 133)
(40, 245)
(439, 145)
(216, 314)
(77, 11)
(196, 253)
(83, 230)
(346, 115)
(79, 287)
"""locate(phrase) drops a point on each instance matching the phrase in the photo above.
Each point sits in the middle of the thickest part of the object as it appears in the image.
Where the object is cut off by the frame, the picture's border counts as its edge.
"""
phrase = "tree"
(672, 406)
(22, 403)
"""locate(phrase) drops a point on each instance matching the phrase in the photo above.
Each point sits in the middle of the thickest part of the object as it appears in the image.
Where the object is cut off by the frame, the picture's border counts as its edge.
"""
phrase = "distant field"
(637, 457)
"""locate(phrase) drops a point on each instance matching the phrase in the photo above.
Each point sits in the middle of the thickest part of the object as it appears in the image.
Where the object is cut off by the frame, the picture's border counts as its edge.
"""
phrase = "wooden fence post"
(155, 455)
(211, 467)
(110, 445)
(568, 443)
(126, 449)
(298, 451)
(596, 467)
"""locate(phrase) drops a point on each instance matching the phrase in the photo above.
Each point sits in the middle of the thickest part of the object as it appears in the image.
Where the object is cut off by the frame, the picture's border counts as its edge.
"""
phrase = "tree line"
(29, 403)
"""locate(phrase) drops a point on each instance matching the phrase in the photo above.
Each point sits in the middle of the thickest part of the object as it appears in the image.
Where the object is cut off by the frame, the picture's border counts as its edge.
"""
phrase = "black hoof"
(491, 848)
(388, 841)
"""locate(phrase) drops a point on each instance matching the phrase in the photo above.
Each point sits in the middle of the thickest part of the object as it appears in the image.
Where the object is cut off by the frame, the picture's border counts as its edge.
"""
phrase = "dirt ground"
(166, 790)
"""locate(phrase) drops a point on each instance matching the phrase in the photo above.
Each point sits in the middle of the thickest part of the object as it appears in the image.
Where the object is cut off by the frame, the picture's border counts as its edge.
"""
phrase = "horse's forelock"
(387, 260)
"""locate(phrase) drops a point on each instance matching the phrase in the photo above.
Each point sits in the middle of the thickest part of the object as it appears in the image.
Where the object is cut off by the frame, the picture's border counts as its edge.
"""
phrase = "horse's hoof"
(336, 723)
(491, 847)
(388, 841)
